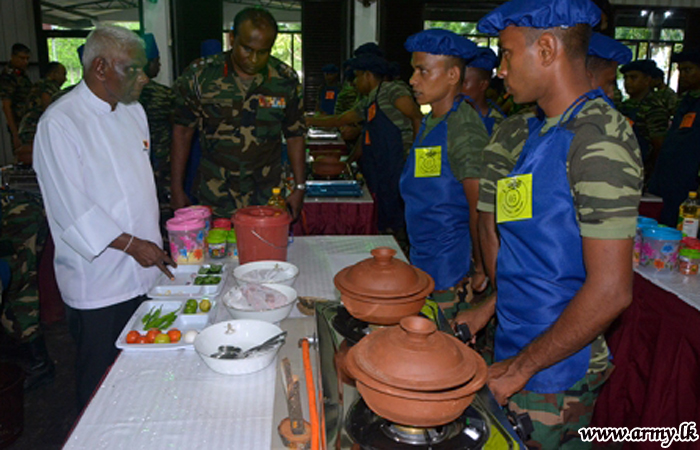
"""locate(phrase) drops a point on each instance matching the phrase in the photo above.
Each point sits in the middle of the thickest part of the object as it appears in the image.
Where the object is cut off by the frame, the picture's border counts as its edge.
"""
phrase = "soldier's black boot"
(37, 364)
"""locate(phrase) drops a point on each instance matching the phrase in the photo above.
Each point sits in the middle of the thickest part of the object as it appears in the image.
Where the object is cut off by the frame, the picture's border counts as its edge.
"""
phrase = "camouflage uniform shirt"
(668, 98)
(15, 86)
(389, 92)
(347, 97)
(35, 108)
(159, 103)
(604, 171)
(466, 139)
(649, 114)
(241, 127)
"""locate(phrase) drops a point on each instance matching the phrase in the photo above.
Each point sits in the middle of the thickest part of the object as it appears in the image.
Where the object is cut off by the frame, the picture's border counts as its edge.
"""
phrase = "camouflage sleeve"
(657, 117)
(466, 141)
(187, 107)
(346, 99)
(395, 90)
(606, 175)
(499, 157)
(294, 125)
(7, 87)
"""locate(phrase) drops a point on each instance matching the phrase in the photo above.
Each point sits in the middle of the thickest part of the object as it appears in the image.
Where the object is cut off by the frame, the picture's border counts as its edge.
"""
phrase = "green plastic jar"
(689, 261)
(217, 243)
(232, 244)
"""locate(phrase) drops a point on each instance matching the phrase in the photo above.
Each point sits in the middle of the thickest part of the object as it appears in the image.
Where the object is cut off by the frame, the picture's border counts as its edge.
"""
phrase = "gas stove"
(350, 424)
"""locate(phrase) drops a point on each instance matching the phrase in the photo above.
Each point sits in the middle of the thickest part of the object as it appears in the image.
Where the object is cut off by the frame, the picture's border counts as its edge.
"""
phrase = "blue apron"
(329, 95)
(488, 121)
(676, 171)
(540, 261)
(437, 213)
(382, 161)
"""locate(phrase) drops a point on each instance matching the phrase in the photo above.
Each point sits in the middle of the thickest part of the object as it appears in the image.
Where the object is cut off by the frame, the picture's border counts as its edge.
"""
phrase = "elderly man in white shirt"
(91, 155)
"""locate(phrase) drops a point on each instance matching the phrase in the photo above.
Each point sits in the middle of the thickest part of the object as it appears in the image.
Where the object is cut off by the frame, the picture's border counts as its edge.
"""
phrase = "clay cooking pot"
(327, 166)
(383, 289)
(415, 375)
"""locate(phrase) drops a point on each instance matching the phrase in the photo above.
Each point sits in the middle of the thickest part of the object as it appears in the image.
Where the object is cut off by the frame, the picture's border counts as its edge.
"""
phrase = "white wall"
(281, 15)
(156, 20)
(365, 23)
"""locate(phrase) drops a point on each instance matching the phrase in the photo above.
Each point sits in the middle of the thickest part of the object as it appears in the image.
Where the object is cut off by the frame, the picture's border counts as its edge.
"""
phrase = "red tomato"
(132, 337)
(151, 335)
(142, 339)
(175, 335)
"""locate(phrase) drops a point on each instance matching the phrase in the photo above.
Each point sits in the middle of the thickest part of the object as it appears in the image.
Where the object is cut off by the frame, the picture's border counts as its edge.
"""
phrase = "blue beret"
(330, 68)
(658, 73)
(608, 48)
(394, 69)
(690, 55)
(646, 66)
(441, 42)
(372, 63)
(540, 14)
(369, 47)
(485, 59)
(209, 47)
(151, 46)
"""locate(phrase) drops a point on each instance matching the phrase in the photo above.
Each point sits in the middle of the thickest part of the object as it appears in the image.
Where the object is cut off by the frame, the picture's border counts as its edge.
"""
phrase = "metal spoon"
(274, 340)
(227, 352)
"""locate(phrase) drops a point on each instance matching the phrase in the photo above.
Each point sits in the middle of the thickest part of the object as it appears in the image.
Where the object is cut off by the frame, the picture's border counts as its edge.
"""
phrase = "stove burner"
(350, 328)
(371, 432)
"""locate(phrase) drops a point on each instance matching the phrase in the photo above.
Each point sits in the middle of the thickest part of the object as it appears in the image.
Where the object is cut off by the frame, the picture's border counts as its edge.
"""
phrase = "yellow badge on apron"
(428, 161)
(514, 198)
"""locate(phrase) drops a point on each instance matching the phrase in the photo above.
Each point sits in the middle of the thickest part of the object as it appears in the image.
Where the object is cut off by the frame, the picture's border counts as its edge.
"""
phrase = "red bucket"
(12, 403)
(262, 233)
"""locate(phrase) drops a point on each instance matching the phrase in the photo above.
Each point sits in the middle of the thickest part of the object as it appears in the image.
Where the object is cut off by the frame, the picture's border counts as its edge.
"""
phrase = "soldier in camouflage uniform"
(40, 97)
(159, 103)
(244, 101)
(477, 79)
(665, 94)
(648, 114)
(597, 181)
(14, 90)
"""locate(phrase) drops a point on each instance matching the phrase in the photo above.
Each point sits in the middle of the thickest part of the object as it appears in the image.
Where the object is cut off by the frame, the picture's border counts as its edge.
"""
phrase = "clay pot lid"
(383, 276)
(416, 356)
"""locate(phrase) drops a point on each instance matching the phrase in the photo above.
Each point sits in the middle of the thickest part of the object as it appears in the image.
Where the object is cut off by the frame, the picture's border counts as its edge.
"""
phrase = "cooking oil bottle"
(277, 200)
(689, 215)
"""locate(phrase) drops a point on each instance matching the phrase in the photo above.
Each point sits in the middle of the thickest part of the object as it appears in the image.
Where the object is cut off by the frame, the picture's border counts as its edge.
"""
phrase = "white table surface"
(171, 399)
(686, 287)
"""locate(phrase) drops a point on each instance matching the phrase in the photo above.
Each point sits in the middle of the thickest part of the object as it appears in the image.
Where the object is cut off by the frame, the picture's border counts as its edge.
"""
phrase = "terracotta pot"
(329, 153)
(327, 167)
(339, 360)
(390, 356)
(383, 289)
(382, 311)
(414, 374)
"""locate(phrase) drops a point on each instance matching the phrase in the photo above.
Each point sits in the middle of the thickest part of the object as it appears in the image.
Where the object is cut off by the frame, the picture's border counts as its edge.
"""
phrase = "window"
(466, 29)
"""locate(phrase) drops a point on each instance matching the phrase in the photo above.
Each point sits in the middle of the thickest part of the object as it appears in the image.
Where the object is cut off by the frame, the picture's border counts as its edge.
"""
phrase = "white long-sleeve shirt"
(97, 183)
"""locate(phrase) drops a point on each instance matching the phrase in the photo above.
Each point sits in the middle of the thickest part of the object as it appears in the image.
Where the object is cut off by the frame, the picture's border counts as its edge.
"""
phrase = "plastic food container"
(216, 241)
(222, 223)
(231, 245)
(642, 224)
(196, 212)
(660, 247)
(186, 240)
(688, 261)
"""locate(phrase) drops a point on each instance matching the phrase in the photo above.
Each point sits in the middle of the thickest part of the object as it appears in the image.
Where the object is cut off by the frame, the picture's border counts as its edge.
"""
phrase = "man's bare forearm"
(489, 243)
(179, 154)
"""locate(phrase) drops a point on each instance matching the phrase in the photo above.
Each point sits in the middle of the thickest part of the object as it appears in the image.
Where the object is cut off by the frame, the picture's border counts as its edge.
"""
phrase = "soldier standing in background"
(158, 101)
(666, 95)
(14, 90)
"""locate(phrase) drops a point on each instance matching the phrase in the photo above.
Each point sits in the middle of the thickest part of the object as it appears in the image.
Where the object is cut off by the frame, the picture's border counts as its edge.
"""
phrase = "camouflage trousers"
(24, 232)
(160, 161)
(558, 417)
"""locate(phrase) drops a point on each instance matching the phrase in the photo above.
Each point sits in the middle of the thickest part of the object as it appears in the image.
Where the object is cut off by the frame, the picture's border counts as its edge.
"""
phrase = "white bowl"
(245, 273)
(241, 333)
(234, 303)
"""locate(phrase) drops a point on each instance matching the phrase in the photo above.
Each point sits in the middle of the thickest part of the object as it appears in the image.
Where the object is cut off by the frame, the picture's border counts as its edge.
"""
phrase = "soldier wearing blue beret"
(566, 216)
(391, 119)
(477, 79)
(605, 54)
(439, 183)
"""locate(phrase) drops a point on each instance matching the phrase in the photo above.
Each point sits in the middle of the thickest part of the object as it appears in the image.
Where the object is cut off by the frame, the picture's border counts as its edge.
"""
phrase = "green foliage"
(463, 28)
(64, 50)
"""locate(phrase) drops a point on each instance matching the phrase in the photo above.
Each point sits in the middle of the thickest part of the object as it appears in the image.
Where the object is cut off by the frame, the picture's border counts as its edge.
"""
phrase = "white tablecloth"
(171, 399)
(686, 287)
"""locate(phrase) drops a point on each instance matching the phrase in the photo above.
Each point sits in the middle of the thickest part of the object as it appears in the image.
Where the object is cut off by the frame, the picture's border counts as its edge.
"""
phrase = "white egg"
(189, 336)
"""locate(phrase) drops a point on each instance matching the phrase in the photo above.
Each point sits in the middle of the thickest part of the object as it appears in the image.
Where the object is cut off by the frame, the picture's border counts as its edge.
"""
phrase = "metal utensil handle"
(255, 233)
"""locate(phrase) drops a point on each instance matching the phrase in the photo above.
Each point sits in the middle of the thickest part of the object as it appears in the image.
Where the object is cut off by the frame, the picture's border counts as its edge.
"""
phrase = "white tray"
(183, 284)
(184, 322)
